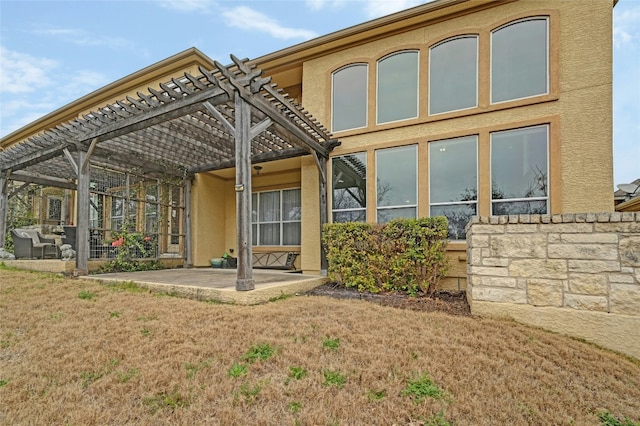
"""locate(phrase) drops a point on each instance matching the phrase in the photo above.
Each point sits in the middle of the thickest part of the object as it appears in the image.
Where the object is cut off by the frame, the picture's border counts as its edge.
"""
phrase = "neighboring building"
(451, 108)
(627, 197)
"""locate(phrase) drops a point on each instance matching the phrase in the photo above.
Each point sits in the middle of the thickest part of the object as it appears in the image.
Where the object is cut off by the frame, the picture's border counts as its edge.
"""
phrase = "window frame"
(366, 96)
(477, 183)
(280, 222)
(415, 206)
(359, 209)
(547, 20)
(377, 88)
(547, 197)
(477, 80)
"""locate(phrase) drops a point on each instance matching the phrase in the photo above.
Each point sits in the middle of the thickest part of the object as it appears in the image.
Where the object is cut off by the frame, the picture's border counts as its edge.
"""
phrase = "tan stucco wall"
(208, 218)
(579, 105)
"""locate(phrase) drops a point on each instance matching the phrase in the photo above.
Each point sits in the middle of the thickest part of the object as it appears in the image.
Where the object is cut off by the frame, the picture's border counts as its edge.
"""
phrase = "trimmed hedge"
(404, 255)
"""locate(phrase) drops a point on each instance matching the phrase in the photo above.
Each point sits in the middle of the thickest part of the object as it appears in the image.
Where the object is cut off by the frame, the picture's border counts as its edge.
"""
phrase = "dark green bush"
(405, 255)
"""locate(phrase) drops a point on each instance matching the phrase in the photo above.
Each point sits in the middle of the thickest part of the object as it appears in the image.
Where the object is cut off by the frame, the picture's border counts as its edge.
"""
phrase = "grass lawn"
(80, 353)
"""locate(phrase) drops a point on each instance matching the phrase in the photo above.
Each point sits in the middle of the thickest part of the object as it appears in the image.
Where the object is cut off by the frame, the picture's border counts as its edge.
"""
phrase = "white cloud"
(378, 8)
(23, 73)
(187, 5)
(626, 26)
(83, 38)
(246, 18)
(321, 4)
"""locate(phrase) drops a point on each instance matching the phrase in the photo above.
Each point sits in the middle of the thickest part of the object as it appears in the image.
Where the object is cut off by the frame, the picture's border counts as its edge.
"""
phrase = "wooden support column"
(188, 251)
(244, 279)
(324, 213)
(4, 207)
(82, 215)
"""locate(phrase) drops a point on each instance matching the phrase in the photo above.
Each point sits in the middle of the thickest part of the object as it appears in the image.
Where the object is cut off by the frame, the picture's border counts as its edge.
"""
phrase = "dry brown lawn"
(81, 353)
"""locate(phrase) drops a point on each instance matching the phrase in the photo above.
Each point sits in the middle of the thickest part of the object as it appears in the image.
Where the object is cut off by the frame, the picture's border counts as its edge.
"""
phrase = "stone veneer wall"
(577, 274)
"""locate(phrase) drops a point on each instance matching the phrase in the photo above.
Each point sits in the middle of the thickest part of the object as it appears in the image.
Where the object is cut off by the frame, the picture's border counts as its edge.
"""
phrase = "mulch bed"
(454, 303)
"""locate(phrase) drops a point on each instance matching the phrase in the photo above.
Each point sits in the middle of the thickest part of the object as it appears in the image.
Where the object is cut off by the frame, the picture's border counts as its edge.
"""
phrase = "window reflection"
(349, 195)
(453, 75)
(396, 183)
(519, 178)
(453, 182)
(349, 98)
(398, 87)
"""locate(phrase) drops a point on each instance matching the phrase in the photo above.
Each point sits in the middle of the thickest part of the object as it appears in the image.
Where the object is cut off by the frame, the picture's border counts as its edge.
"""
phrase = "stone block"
(593, 266)
(474, 256)
(554, 238)
(630, 251)
(505, 295)
(521, 228)
(595, 238)
(591, 217)
(625, 299)
(495, 261)
(583, 251)
(556, 218)
(480, 280)
(489, 270)
(622, 278)
(619, 227)
(544, 292)
(568, 218)
(519, 245)
(603, 217)
(615, 217)
(539, 268)
(627, 217)
(581, 217)
(586, 303)
(591, 284)
(488, 229)
(567, 228)
(477, 241)
(545, 218)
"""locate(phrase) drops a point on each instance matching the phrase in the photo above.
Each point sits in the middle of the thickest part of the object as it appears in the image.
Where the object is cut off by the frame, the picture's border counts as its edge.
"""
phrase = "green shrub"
(405, 255)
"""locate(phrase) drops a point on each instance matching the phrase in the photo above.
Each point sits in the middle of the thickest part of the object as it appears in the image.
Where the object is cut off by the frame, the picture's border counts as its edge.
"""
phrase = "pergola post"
(322, 165)
(4, 207)
(188, 254)
(245, 279)
(82, 215)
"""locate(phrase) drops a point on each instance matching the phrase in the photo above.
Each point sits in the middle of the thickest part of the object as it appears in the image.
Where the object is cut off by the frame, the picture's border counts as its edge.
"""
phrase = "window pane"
(291, 233)
(386, 215)
(254, 207)
(519, 207)
(254, 234)
(396, 176)
(398, 87)
(519, 60)
(519, 163)
(270, 234)
(349, 180)
(269, 206)
(458, 216)
(350, 98)
(350, 216)
(453, 172)
(453, 75)
(291, 207)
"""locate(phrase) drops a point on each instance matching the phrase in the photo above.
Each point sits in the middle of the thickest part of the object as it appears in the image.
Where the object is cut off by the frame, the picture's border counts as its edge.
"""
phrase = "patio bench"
(31, 244)
(275, 260)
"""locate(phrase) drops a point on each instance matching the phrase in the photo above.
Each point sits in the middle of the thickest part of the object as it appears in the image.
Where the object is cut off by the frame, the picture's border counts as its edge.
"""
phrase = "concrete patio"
(217, 284)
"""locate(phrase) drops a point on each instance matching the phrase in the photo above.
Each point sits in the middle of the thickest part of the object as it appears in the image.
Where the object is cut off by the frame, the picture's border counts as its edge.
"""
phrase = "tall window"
(453, 75)
(276, 217)
(519, 60)
(397, 87)
(349, 97)
(349, 195)
(519, 178)
(453, 182)
(397, 183)
(54, 209)
(151, 209)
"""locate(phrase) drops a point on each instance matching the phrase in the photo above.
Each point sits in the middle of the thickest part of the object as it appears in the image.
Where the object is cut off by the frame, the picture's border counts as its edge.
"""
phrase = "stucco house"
(454, 108)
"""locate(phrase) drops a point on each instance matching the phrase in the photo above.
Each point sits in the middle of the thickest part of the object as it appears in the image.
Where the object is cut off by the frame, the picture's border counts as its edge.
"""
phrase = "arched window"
(453, 75)
(397, 91)
(519, 60)
(349, 98)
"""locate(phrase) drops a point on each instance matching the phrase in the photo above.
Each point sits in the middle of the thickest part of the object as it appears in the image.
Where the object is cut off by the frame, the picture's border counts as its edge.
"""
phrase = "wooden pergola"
(230, 116)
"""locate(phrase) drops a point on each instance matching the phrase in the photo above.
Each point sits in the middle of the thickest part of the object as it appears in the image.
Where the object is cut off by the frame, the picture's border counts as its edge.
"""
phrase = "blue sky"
(53, 52)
